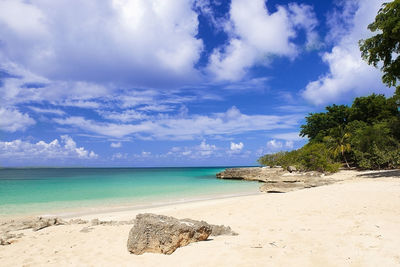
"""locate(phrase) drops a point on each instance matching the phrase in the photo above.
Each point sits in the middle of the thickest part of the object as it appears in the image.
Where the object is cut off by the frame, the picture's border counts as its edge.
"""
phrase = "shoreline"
(352, 222)
(160, 202)
(124, 206)
(115, 209)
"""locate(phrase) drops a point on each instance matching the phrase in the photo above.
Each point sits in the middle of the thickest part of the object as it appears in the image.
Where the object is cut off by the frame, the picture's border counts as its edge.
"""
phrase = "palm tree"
(338, 143)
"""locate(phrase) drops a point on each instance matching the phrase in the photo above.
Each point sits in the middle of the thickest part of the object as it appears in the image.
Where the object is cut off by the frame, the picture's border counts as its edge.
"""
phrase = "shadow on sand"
(381, 174)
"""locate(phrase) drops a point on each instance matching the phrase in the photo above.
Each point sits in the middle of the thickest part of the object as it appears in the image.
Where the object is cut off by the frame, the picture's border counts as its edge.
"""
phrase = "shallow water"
(45, 190)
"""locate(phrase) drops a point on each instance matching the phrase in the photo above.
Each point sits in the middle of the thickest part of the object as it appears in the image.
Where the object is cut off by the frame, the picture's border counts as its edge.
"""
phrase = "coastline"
(352, 222)
(93, 211)
(49, 191)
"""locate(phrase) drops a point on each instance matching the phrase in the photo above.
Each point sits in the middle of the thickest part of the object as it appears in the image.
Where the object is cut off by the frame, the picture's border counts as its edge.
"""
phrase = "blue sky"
(173, 83)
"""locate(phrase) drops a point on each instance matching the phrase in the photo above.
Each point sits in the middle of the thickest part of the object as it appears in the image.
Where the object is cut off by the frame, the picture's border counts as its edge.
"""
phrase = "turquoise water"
(46, 190)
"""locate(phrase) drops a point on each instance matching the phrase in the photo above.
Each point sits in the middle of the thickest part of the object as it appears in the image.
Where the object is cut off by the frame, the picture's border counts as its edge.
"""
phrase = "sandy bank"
(353, 223)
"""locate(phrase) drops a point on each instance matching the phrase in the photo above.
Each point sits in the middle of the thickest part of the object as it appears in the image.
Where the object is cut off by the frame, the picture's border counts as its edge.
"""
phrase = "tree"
(385, 45)
(373, 108)
(317, 124)
(338, 143)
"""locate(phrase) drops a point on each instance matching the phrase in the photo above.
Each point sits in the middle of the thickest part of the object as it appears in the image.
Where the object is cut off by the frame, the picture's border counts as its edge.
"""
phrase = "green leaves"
(365, 135)
(385, 45)
(311, 157)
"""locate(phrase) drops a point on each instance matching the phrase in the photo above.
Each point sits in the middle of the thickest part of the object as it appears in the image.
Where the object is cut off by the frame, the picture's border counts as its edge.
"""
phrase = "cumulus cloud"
(186, 127)
(121, 40)
(116, 145)
(12, 120)
(63, 148)
(119, 156)
(274, 145)
(203, 150)
(236, 147)
(256, 35)
(348, 74)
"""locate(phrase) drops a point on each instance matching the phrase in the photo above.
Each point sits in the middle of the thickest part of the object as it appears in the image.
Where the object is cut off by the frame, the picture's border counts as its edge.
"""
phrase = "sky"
(147, 83)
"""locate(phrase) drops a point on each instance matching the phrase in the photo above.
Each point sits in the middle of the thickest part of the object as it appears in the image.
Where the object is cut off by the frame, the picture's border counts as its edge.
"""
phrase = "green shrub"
(376, 158)
(311, 157)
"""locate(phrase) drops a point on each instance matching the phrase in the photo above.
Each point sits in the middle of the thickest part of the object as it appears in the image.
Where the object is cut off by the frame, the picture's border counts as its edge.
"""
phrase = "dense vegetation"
(384, 46)
(365, 135)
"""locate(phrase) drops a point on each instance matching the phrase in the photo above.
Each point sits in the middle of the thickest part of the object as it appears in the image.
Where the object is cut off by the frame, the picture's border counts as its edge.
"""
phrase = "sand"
(355, 222)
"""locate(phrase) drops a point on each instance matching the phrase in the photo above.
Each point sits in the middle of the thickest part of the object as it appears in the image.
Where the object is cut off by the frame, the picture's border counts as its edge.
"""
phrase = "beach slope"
(350, 223)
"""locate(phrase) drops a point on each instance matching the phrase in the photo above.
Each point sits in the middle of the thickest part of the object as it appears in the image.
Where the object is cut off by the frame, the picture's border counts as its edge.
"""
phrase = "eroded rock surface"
(163, 234)
(277, 180)
(260, 174)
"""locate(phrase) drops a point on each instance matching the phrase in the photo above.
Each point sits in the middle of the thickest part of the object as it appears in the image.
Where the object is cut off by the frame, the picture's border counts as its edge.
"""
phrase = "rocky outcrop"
(277, 180)
(163, 234)
(285, 186)
(35, 224)
(41, 223)
(7, 238)
(260, 174)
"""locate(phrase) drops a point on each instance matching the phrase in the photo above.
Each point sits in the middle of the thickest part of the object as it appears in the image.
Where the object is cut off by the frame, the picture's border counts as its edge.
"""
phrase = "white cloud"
(205, 149)
(121, 40)
(278, 145)
(236, 147)
(274, 145)
(256, 35)
(125, 116)
(348, 74)
(119, 156)
(146, 154)
(116, 145)
(12, 120)
(65, 148)
(187, 127)
(289, 144)
(58, 112)
(291, 136)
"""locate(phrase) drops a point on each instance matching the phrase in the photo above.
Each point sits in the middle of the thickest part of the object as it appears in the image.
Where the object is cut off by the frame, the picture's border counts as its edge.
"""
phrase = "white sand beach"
(355, 222)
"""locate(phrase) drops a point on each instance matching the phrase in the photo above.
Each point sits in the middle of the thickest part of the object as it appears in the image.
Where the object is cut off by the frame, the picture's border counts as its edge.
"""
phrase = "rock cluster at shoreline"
(9, 228)
(277, 180)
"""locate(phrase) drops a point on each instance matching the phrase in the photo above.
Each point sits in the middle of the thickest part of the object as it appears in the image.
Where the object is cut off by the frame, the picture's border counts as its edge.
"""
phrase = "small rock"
(291, 169)
(77, 221)
(217, 230)
(41, 223)
(95, 222)
(221, 230)
(281, 187)
(86, 229)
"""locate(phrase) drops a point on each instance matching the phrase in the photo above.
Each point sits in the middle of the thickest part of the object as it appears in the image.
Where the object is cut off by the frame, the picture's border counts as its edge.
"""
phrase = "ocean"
(48, 191)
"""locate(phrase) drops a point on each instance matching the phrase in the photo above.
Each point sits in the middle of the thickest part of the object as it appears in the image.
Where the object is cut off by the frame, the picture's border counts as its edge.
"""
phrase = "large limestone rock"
(163, 234)
(277, 180)
(260, 174)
